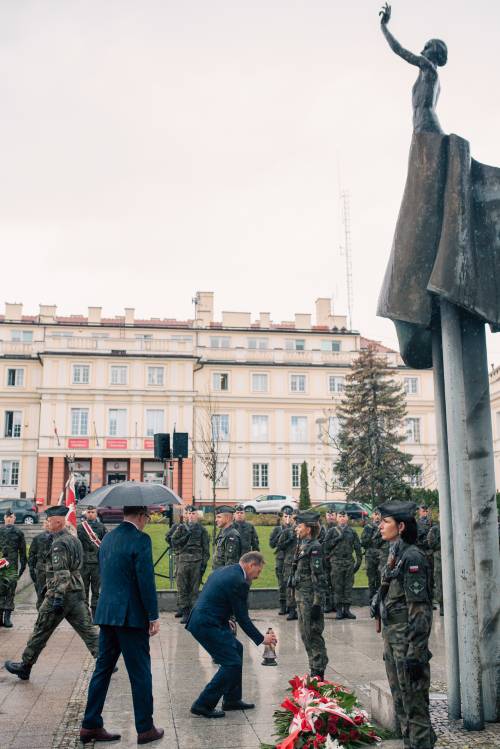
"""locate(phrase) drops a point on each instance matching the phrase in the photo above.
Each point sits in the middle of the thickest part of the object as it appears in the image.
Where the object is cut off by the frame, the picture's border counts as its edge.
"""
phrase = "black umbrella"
(131, 494)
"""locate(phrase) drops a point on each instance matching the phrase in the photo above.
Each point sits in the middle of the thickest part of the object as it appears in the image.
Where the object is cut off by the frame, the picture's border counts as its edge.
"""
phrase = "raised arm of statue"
(420, 61)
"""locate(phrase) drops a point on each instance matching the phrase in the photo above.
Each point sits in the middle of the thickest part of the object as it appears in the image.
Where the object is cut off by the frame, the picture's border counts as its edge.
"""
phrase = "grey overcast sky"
(152, 148)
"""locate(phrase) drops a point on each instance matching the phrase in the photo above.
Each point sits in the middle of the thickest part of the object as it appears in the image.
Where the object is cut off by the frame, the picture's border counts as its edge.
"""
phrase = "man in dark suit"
(127, 613)
(224, 595)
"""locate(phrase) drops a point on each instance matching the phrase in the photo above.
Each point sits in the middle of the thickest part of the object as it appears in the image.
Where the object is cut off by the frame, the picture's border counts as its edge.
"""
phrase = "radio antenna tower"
(346, 250)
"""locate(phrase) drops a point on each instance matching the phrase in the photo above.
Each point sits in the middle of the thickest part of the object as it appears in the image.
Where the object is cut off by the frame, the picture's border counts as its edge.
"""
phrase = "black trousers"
(133, 643)
(226, 650)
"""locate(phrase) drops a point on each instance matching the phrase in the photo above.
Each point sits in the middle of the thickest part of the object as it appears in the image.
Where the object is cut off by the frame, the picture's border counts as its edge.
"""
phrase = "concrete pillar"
(446, 531)
(96, 474)
(467, 617)
(135, 469)
(58, 471)
(484, 508)
(42, 479)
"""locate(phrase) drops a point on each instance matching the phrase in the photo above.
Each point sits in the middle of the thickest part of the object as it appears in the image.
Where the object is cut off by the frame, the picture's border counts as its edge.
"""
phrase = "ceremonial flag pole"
(68, 496)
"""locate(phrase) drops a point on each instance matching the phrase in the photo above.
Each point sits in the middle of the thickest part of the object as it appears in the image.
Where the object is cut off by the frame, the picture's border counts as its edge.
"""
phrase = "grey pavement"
(46, 711)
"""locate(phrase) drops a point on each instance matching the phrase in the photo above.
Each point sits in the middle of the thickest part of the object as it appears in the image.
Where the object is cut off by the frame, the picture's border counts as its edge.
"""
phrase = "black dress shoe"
(207, 712)
(20, 669)
(239, 705)
(97, 734)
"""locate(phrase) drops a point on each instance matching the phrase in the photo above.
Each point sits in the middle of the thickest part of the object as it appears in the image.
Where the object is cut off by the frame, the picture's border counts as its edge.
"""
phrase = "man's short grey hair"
(253, 557)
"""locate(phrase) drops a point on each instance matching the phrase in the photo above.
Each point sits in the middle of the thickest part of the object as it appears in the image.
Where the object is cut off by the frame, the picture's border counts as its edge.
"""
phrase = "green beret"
(398, 510)
(287, 511)
(308, 517)
(188, 508)
(59, 511)
(331, 508)
(239, 508)
(8, 513)
(224, 509)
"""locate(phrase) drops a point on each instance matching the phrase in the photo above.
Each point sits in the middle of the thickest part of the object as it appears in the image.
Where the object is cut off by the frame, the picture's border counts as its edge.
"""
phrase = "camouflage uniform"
(424, 525)
(339, 549)
(90, 567)
(406, 612)
(278, 566)
(36, 563)
(13, 548)
(310, 583)
(248, 536)
(287, 543)
(65, 598)
(371, 557)
(191, 544)
(382, 548)
(227, 548)
(329, 597)
(434, 545)
(174, 561)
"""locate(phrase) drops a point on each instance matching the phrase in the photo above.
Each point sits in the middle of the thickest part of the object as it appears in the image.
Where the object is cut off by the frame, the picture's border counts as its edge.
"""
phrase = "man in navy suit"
(225, 595)
(127, 613)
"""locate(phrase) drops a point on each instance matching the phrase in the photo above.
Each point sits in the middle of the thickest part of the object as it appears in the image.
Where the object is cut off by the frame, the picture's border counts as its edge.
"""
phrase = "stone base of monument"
(382, 706)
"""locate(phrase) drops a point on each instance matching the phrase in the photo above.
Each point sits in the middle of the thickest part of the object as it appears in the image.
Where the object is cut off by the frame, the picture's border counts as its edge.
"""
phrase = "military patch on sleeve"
(413, 568)
(416, 587)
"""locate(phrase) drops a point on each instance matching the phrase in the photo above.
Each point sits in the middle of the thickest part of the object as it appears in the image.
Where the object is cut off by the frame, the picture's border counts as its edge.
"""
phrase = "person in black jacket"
(224, 596)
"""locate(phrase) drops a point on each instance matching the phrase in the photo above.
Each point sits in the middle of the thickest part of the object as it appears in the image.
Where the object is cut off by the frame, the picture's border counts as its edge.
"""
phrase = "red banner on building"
(78, 444)
(149, 444)
(116, 444)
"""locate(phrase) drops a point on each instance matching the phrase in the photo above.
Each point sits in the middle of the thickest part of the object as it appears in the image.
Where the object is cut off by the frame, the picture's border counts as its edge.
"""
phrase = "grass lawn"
(267, 578)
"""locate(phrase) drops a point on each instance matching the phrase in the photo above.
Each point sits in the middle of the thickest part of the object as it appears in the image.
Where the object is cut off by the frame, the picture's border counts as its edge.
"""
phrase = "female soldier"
(405, 607)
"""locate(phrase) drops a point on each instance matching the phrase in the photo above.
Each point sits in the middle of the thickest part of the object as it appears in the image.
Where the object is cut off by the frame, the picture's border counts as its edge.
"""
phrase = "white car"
(271, 503)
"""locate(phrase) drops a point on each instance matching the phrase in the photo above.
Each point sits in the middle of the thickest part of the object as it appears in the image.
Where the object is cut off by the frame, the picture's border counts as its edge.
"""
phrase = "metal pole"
(467, 618)
(446, 532)
(484, 508)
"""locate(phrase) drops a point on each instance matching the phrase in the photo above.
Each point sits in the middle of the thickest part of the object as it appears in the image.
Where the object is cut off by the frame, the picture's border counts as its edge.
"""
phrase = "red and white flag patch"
(413, 568)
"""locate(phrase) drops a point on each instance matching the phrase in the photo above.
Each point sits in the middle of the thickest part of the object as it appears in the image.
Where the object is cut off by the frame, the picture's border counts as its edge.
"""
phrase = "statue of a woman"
(425, 92)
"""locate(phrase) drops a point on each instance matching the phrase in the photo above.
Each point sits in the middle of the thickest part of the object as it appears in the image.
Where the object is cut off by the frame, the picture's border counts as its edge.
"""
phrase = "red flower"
(359, 720)
(353, 735)
(290, 706)
(343, 738)
(319, 724)
(296, 682)
(319, 741)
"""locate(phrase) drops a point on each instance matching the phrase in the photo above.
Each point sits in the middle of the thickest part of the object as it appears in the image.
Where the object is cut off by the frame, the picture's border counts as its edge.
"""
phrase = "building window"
(117, 422)
(298, 383)
(412, 430)
(259, 383)
(418, 479)
(222, 474)
(220, 381)
(155, 375)
(79, 422)
(295, 344)
(21, 336)
(13, 424)
(154, 421)
(336, 384)
(10, 472)
(333, 426)
(118, 375)
(299, 429)
(330, 345)
(260, 475)
(220, 341)
(220, 427)
(15, 378)
(81, 374)
(295, 475)
(258, 343)
(260, 428)
(411, 385)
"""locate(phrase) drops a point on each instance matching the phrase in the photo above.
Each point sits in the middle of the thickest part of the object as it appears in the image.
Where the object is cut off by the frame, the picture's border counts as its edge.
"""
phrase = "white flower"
(332, 743)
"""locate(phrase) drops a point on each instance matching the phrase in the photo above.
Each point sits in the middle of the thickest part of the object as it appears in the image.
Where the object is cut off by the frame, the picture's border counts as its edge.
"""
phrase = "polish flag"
(69, 499)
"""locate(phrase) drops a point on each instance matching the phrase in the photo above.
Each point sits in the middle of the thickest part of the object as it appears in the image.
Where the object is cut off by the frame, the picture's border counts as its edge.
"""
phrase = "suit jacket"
(225, 594)
(128, 592)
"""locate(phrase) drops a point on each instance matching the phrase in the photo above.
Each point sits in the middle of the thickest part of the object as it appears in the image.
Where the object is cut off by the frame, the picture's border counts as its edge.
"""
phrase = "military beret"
(341, 513)
(308, 517)
(57, 511)
(398, 510)
(287, 511)
(331, 508)
(8, 513)
(239, 508)
(224, 509)
(423, 507)
(188, 508)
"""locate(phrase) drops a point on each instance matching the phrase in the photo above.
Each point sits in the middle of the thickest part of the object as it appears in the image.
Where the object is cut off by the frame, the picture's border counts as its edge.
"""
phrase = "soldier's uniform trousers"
(188, 583)
(92, 580)
(311, 632)
(76, 612)
(281, 580)
(411, 702)
(8, 585)
(372, 571)
(290, 590)
(342, 577)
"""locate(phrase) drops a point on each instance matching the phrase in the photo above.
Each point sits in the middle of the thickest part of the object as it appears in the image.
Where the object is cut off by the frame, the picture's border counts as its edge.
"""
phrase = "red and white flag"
(69, 499)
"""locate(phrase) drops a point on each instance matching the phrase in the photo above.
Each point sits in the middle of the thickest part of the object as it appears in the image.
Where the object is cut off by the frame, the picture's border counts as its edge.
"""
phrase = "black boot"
(1, 617)
(185, 615)
(6, 618)
(348, 613)
(282, 610)
(178, 613)
(340, 612)
(318, 675)
(292, 614)
(19, 668)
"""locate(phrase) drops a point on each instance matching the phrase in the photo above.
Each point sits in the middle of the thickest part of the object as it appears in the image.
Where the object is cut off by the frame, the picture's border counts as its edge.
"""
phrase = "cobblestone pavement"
(45, 713)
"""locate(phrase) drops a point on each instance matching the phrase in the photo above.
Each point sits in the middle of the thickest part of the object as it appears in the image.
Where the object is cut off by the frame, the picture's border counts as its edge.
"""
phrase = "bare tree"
(210, 445)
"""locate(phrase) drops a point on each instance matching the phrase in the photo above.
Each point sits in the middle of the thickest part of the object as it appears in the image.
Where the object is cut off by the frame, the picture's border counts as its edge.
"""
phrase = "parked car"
(270, 503)
(355, 510)
(25, 510)
(115, 514)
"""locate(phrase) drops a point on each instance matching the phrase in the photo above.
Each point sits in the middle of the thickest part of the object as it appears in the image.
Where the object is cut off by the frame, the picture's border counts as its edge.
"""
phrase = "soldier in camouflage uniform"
(65, 597)
(434, 545)
(91, 532)
(228, 542)
(404, 606)
(13, 548)
(36, 561)
(382, 548)
(309, 582)
(279, 561)
(168, 539)
(340, 549)
(191, 544)
(331, 525)
(424, 524)
(372, 556)
(247, 531)
(287, 543)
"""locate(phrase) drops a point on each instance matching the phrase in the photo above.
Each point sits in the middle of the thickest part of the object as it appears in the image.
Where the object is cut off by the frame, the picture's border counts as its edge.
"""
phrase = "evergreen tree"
(304, 498)
(371, 429)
